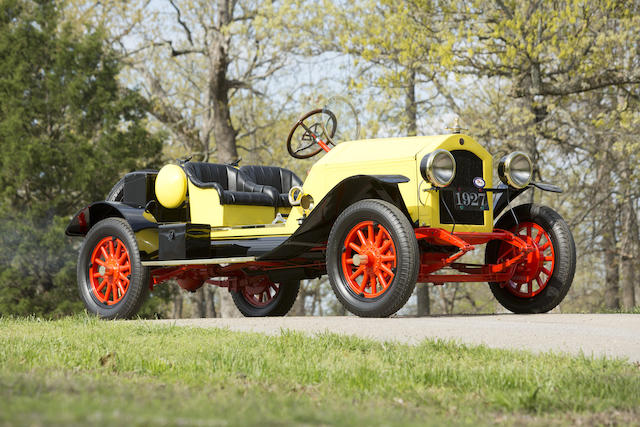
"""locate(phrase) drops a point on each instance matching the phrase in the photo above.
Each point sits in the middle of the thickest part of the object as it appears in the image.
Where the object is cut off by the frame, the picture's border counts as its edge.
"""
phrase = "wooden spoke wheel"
(369, 259)
(543, 278)
(110, 270)
(532, 275)
(262, 297)
(372, 258)
(111, 279)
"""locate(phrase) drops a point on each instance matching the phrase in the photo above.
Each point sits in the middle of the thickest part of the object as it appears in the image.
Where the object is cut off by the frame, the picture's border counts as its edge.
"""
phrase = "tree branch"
(181, 22)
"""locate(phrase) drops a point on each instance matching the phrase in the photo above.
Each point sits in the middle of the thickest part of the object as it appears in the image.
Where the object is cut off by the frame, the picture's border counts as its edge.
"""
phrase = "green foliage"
(139, 373)
(394, 69)
(549, 47)
(67, 132)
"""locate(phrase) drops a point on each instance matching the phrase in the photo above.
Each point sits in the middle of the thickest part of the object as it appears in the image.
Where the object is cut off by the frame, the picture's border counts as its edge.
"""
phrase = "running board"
(204, 261)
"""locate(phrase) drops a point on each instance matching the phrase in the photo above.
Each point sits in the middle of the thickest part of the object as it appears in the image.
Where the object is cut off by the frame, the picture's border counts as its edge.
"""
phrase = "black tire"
(564, 249)
(138, 289)
(407, 254)
(117, 192)
(278, 306)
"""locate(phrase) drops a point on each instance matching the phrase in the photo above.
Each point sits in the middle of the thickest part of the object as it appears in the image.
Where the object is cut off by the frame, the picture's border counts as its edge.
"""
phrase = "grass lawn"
(85, 371)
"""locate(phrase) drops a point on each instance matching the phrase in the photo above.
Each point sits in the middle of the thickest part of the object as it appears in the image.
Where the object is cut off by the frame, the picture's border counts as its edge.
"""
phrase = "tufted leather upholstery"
(233, 186)
(279, 178)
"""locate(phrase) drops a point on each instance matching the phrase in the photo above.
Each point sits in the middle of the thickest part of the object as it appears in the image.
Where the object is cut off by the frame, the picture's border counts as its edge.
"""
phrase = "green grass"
(81, 370)
(634, 310)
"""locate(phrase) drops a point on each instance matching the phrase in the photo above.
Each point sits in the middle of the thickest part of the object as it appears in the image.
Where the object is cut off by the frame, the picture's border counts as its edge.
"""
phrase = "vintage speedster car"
(375, 215)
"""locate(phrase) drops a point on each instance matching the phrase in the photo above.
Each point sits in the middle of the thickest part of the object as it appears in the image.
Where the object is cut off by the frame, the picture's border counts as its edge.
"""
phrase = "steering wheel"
(320, 127)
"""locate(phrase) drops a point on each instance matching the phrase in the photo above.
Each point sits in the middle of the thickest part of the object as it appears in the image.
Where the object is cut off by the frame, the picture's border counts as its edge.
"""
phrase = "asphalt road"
(612, 335)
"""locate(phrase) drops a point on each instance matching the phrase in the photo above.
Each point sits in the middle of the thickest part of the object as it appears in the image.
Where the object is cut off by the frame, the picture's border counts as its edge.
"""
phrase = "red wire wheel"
(369, 259)
(263, 296)
(110, 271)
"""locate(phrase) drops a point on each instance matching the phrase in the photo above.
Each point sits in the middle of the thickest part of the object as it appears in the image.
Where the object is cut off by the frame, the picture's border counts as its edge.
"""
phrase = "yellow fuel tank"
(171, 186)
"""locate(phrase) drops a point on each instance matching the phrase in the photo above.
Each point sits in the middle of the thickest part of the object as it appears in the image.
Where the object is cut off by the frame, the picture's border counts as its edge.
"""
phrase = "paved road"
(613, 335)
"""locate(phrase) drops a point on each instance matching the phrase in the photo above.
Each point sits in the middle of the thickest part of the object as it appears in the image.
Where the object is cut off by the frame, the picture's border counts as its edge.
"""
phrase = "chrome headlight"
(438, 167)
(515, 169)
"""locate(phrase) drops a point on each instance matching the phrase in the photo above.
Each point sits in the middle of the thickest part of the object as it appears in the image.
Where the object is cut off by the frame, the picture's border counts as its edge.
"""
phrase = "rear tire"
(386, 261)
(275, 299)
(546, 291)
(112, 282)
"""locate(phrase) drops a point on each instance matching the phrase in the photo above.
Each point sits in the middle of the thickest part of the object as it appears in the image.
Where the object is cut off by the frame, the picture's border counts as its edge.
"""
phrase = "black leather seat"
(279, 178)
(234, 188)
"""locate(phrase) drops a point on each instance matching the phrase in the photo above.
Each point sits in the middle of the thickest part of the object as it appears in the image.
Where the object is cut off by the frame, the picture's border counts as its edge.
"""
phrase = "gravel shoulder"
(611, 335)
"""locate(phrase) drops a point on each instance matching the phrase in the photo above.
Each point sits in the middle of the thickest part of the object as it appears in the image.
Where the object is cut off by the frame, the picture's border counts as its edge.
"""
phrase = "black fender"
(507, 194)
(316, 227)
(97, 211)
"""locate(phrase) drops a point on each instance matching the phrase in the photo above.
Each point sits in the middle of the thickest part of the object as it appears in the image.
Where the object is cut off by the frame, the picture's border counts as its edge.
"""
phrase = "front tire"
(542, 282)
(372, 258)
(263, 298)
(112, 282)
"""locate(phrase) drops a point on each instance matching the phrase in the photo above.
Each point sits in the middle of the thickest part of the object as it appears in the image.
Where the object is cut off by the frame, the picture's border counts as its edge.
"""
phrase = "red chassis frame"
(431, 262)
(233, 276)
(238, 276)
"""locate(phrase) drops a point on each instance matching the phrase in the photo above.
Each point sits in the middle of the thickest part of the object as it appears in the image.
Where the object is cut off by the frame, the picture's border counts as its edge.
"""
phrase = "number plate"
(470, 200)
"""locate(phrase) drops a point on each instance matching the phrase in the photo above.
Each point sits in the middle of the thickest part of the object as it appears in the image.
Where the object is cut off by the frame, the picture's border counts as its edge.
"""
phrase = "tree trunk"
(449, 302)
(424, 303)
(209, 300)
(411, 116)
(609, 232)
(227, 307)
(177, 304)
(628, 248)
(539, 113)
(298, 306)
(612, 290)
(218, 97)
(218, 94)
(225, 134)
(198, 303)
(411, 108)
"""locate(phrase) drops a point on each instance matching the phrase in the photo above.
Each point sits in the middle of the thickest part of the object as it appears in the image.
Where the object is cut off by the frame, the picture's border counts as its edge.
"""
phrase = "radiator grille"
(468, 166)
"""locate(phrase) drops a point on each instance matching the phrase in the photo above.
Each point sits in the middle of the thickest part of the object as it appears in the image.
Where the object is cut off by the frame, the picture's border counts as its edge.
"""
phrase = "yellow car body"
(401, 156)
(388, 156)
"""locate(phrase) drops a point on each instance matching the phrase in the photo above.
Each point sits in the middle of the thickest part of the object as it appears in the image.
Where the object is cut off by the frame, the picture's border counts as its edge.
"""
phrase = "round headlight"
(438, 167)
(515, 169)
